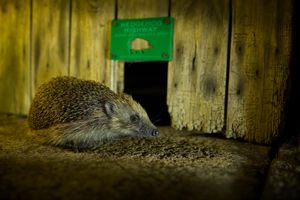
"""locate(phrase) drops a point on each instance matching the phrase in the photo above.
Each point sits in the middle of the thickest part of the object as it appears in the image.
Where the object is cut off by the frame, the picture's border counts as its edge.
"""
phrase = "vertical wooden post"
(50, 40)
(142, 9)
(14, 56)
(138, 9)
(197, 74)
(90, 38)
(259, 68)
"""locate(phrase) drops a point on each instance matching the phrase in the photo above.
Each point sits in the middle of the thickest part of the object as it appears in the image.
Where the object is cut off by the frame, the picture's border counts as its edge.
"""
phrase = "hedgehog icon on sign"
(138, 45)
(148, 39)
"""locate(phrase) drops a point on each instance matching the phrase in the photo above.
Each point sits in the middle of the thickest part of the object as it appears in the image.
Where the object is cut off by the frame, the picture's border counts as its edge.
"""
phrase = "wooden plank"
(50, 40)
(14, 56)
(197, 74)
(129, 9)
(260, 55)
(90, 38)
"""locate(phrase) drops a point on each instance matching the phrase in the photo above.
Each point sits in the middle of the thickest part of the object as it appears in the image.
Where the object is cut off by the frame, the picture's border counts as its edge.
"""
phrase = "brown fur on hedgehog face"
(129, 118)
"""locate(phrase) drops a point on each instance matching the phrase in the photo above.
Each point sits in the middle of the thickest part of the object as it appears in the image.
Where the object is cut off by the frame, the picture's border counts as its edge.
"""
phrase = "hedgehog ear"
(109, 108)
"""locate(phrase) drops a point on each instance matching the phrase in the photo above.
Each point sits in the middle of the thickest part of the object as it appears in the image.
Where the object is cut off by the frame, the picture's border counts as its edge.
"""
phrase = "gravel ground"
(175, 165)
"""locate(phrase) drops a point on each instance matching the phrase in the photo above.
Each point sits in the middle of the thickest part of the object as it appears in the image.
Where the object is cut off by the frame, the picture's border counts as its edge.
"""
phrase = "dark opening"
(147, 83)
(292, 119)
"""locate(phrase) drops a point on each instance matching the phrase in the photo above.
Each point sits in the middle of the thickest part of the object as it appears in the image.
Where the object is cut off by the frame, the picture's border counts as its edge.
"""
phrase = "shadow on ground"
(176, 165)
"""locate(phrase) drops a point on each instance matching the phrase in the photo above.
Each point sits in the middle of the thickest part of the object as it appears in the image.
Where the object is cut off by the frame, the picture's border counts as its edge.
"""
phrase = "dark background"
(147, 83)
(292, 126)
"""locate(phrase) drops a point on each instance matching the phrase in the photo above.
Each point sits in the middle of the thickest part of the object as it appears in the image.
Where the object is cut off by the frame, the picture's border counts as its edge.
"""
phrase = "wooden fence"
(229, 73)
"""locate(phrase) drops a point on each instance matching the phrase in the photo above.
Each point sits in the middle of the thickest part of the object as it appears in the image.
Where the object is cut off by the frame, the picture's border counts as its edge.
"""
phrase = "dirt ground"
(175, 165)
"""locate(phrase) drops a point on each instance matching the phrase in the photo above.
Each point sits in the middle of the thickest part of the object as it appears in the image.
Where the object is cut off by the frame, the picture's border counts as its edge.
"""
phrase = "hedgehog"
(84, 114)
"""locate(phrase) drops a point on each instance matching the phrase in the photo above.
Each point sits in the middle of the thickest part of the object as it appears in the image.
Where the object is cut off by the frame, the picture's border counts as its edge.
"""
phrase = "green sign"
(148, 39)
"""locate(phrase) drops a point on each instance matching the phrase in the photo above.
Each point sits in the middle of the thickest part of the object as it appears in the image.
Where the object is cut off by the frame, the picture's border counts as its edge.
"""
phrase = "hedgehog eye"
(134, 118)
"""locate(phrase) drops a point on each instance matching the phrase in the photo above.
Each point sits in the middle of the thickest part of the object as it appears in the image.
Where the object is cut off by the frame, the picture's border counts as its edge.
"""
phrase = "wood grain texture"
(260, 56)
(50, 40)
(90, 38)
(14, 56)
(196, 82)
(130, 9)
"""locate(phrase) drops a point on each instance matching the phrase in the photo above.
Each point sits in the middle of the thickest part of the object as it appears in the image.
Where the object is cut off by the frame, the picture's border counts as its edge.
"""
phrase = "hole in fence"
(147, 83)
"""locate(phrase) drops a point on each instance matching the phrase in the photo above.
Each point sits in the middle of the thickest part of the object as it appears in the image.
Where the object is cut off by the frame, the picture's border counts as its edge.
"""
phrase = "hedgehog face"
(130, 119)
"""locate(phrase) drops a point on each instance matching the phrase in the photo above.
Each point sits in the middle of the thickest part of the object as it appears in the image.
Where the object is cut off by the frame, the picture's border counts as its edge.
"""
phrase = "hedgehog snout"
(149, 131)
(154, 132)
